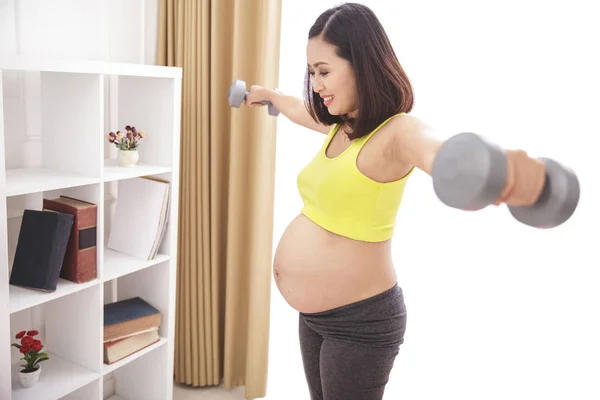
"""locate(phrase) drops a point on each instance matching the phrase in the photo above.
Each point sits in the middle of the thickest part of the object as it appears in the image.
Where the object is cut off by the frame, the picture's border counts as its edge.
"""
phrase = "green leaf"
(40, 360)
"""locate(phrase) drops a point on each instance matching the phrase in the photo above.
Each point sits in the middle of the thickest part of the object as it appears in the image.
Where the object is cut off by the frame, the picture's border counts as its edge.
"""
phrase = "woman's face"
(332, 78)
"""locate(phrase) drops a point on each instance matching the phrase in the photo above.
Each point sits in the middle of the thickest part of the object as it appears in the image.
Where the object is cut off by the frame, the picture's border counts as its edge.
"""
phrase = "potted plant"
(31, 349)
(127, 145)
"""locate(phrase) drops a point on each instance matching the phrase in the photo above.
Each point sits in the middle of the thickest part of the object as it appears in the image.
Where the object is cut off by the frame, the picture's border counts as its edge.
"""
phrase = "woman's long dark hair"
(382, 85)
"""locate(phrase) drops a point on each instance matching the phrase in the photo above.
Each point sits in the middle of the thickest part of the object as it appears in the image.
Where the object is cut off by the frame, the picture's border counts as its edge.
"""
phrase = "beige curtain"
(227, 188)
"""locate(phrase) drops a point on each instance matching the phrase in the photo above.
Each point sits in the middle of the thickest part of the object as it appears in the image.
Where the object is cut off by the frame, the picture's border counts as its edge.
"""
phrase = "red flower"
(37, 345)
(31, 349)
(27, 341)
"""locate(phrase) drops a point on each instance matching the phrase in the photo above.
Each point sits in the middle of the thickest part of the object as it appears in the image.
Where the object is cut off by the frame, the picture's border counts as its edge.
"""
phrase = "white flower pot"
(29, 379)
(128, 158)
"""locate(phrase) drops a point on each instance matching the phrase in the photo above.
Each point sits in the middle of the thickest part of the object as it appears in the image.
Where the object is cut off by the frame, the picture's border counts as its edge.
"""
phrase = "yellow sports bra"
(341, 199)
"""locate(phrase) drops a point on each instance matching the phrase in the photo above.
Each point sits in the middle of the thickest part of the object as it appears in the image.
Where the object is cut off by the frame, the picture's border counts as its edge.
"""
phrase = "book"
(141, 214)
(41, 248)
(80, 259)
(128, 316)
(131, 334)
(118, 349)
(164, 218)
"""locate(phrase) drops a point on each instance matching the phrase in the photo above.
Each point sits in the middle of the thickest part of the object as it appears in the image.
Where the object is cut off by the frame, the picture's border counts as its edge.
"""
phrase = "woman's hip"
(379, 320)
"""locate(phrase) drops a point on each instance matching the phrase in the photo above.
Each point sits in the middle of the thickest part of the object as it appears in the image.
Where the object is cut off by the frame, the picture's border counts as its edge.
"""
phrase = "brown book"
(118, 349)
(80, 259)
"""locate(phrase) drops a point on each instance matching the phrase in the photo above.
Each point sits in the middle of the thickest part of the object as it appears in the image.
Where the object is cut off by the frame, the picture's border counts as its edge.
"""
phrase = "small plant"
(31, 349)
(129, 141)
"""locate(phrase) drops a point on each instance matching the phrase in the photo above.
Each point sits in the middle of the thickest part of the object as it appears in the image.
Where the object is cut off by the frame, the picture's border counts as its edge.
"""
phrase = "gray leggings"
(349, 351)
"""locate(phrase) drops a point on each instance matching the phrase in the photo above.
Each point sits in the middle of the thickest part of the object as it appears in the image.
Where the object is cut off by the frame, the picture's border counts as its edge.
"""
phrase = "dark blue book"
(127, 317)
(41, 249)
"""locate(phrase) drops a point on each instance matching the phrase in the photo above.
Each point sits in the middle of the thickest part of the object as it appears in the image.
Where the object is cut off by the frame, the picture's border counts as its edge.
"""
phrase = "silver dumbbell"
(469, 173)
(237, 95)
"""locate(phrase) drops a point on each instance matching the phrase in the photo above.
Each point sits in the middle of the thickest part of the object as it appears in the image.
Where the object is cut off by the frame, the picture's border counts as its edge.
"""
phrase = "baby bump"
(316, 270)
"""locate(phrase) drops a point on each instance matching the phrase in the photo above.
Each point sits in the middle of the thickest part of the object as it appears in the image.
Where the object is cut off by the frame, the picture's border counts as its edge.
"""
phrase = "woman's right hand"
(255, 95)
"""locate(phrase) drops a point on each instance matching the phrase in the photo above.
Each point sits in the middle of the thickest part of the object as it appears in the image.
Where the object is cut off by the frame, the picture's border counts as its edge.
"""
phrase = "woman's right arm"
(292, 107)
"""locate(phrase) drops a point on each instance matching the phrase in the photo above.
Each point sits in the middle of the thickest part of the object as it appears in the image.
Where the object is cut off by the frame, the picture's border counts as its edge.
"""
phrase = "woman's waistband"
(390, 297)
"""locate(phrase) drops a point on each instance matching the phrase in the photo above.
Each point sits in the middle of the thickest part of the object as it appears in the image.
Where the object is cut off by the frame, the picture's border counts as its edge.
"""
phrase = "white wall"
(112, 30)
(103, 30)
(483, 322)
(107, 30)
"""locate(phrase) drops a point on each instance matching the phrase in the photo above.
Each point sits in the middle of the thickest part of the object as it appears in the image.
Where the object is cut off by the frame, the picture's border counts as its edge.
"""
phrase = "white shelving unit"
(77, 104)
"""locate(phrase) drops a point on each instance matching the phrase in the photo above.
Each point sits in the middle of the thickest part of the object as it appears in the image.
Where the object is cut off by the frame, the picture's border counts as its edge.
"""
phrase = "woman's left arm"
(414, 143)
(471, 173)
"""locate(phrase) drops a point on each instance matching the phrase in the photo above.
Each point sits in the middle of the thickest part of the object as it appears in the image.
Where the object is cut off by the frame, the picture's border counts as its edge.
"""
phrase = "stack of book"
(140, 218)
(130, 325)
(58, 241)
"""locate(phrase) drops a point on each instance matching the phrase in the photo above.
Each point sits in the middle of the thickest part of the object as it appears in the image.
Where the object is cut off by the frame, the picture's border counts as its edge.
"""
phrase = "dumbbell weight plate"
(469, 172)
(237, 93)
(557, 202)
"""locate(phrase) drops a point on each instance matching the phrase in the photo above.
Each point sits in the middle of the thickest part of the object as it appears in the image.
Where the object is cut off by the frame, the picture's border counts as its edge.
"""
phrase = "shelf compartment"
(113, 172)
(148, 104)
(59, 377)
(69, 328)
(146, 284)
(151, 368)
(61, 146)
(21, 181)
(108, 368)
(151, 361)
(23, 298)
(111, 201)
(118, 264)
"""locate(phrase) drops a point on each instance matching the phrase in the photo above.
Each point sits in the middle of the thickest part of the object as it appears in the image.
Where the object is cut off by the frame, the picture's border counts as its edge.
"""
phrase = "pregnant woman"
(333, 263)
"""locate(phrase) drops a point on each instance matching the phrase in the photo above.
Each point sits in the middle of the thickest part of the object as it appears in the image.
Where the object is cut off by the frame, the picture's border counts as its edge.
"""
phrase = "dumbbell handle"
(525, 179)
(263, 102)
(272, 109)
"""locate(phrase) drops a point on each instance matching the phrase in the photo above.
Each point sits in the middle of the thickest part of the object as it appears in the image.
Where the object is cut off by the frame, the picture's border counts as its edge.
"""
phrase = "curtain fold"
(226, 188)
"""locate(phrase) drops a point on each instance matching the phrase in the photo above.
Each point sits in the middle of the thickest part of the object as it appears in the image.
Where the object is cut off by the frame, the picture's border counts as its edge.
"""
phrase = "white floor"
(184, 392)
